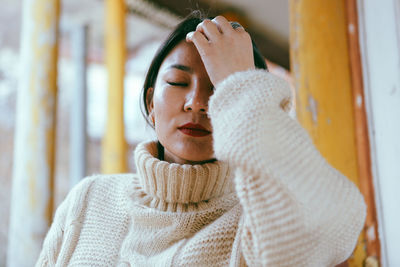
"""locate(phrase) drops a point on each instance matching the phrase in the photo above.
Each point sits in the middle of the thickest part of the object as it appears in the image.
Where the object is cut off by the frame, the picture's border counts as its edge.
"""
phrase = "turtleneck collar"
(174, 183)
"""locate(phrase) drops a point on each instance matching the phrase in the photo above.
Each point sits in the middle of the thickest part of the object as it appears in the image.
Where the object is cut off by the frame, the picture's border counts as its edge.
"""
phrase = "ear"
(151, 118)
(149, 100)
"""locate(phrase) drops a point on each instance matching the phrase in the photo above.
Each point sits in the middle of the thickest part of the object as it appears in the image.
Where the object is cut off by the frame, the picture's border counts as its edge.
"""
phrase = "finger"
(209, 29)
(199, 40)
(236, 26)
(223, 24)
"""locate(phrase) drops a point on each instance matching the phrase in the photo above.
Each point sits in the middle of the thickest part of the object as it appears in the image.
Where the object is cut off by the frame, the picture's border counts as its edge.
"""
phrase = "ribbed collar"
(181, 184)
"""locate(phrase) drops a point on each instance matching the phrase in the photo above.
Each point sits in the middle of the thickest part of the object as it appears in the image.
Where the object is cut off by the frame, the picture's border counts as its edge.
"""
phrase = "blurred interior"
(147, 24)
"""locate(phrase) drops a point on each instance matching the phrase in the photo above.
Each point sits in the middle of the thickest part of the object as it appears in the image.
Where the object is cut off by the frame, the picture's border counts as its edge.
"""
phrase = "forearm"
(298, 208)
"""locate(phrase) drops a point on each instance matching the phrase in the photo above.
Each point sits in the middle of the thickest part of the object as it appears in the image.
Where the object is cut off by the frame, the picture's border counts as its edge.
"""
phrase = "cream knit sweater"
(270, 200)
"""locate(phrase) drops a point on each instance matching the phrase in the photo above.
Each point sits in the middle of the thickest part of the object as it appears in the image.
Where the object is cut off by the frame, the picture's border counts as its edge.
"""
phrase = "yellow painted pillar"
(33, 172)
(320, 66)
(114, 144)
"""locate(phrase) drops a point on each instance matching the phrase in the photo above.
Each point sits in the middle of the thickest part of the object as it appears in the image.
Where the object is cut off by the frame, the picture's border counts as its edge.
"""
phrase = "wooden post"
(361, 127)
(114, 144)
(78, 119)
(33, 173)
(320, 64)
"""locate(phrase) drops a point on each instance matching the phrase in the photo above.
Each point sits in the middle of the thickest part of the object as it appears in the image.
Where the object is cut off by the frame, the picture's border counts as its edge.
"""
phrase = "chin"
(198, 152)
(197, 157)
(190, 150)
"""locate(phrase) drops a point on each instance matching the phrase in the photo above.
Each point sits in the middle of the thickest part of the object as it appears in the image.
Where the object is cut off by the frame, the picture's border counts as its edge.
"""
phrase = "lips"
(195, 130)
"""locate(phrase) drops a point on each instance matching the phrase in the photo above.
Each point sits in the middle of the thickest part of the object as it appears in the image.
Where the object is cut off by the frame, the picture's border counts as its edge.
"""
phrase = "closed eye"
(177, 84)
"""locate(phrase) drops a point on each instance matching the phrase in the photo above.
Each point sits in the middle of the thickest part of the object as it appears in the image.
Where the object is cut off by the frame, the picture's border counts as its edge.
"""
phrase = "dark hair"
(189, 24)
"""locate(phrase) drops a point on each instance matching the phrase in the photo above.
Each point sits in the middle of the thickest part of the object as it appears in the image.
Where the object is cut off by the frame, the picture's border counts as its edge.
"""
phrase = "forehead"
(183, 53)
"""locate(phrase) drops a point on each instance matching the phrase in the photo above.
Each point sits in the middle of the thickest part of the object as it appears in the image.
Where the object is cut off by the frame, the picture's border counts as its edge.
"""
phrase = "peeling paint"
(371, 261)
(328, 121)
(371, 233)
(32, 183)
(359, 101)
(352, 28)
(324, 84)
(313, 108)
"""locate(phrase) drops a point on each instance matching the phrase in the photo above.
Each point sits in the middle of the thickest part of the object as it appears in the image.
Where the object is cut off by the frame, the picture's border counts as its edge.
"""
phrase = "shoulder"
(108, 182)
(107, 186)
(97, 192)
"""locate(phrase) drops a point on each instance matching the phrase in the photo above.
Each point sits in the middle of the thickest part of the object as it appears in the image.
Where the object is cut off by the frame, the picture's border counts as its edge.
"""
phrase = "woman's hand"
(223, 49)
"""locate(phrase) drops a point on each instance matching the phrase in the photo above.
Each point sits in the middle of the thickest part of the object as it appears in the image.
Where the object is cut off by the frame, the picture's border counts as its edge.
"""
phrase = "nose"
(197, 100)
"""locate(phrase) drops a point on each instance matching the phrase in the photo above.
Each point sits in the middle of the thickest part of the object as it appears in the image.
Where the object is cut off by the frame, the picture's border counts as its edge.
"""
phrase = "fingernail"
(189, 35)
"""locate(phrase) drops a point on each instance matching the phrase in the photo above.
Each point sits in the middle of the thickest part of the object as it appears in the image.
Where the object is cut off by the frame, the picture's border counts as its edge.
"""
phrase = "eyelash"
(177, 84)
(184, 85)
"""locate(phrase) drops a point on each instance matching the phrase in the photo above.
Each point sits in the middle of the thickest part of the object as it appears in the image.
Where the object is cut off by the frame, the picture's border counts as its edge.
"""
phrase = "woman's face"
(180, 105)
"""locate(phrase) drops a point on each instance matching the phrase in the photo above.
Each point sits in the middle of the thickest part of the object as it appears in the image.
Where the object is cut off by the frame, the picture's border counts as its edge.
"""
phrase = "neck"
(165, 155)
(171, 186)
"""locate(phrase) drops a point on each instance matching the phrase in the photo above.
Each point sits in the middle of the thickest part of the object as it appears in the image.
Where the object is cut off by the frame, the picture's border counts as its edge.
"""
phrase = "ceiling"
(269, 17)
(268, 22)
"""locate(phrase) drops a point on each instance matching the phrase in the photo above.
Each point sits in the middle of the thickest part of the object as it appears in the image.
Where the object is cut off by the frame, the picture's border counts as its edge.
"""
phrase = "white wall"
(380, 49)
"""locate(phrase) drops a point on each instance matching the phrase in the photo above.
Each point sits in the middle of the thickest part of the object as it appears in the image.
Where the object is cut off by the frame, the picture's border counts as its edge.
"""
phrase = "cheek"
(168, 104)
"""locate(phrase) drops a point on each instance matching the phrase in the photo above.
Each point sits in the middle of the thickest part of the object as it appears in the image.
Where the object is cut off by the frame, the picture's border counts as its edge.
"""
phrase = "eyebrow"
(181, 67)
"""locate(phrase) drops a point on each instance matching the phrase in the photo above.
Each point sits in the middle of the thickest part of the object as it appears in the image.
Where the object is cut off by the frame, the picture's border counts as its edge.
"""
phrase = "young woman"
(232, 180)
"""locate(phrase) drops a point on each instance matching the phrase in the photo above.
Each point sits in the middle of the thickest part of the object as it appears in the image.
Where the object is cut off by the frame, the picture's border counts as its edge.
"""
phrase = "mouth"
(195, 130)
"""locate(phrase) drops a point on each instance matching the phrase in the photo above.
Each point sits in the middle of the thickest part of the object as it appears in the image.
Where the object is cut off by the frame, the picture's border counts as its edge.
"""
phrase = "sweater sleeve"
(60, 238)
(298, 210)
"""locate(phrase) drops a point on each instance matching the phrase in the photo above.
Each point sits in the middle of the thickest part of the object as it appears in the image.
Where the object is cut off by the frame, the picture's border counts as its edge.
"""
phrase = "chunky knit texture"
(270, 200)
